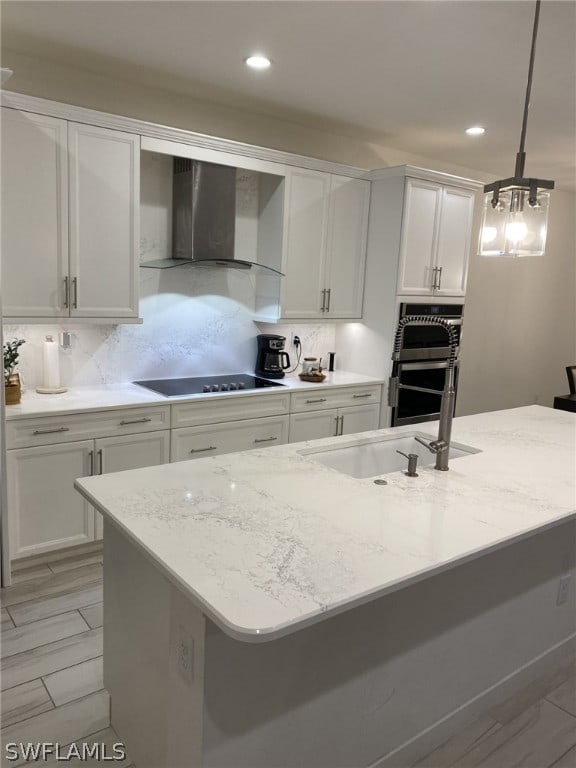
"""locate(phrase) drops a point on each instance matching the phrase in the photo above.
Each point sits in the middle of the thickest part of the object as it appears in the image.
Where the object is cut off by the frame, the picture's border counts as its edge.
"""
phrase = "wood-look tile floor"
(52, 687)
(51, 659)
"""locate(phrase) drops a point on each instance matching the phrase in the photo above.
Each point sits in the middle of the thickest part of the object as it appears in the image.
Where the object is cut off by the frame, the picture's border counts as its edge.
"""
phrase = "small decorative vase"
(12, 389)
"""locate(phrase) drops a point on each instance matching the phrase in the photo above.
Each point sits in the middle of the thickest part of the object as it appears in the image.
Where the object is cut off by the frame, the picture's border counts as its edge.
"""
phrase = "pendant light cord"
(521, 156)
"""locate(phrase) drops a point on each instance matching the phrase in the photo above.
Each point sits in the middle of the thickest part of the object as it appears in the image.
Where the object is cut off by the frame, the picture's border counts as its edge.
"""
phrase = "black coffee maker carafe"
(271, 361)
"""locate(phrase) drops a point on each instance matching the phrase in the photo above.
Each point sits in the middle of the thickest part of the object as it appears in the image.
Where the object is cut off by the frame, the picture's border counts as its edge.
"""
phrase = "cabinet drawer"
(214, 439)
(45, 430)
(321, 399)
(229, 408)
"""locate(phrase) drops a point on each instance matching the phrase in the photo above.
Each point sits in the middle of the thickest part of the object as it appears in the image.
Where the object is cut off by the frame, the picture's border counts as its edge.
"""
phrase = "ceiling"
(409, 74)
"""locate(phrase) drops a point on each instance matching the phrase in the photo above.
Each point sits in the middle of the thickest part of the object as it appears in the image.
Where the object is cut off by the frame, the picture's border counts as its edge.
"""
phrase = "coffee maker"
(271, 361)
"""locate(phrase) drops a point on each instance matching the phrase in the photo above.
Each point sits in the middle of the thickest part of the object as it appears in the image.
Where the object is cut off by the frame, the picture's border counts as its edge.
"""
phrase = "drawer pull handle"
(265, 439)
(366, 394)
(317, 400)
(201, 450)
(50, 431)
(134, 421)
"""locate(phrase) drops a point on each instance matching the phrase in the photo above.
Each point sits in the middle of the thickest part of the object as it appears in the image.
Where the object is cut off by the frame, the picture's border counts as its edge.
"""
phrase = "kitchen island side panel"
(153, 659)
(409, 667)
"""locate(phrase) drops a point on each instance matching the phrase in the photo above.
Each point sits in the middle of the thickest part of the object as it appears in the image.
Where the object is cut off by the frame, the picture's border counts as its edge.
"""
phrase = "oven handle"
(424, 366)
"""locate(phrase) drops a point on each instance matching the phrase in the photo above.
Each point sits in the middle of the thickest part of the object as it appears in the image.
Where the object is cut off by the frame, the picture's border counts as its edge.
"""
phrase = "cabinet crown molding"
(412, 171)
(76, 114)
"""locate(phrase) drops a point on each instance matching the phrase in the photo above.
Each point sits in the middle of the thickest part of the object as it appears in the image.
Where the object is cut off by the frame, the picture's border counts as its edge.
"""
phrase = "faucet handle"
(412, 463)
(432, 445)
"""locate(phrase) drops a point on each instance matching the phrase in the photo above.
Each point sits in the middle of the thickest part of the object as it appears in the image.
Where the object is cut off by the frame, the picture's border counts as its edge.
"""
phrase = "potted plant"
(12, 386)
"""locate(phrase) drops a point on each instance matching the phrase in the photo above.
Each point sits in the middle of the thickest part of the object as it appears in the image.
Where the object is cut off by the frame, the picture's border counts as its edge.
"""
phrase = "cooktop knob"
(214, 388)
(205, 388)
(241, 385)
(233, 385)
(223, 387)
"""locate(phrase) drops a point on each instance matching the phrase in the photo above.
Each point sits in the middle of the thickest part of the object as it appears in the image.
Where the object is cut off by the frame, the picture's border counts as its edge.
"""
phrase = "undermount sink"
(377, 456)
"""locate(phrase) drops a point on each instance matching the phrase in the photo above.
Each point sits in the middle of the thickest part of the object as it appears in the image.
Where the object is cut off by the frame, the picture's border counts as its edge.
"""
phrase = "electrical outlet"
(563, 590)
(295, 340)
(185, 655)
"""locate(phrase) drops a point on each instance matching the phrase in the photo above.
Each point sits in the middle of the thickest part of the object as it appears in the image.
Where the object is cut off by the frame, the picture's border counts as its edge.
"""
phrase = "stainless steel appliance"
(271, 361)
(423, 362)
(204, 217)
(196, 385)
(428, 342)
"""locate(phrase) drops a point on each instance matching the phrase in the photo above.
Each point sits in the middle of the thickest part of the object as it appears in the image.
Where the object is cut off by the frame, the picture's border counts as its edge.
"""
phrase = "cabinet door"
(313, 425)
(419, 236)
(214, 439)
(116, 454)
(346, 260)
(454, 241)
(104, 199)
(306, 217)
(359, 418)
(34, 215)
(44, 510)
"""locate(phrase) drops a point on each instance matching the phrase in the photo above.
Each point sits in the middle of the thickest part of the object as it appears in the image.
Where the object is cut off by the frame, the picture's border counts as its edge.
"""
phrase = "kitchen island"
(266, 611)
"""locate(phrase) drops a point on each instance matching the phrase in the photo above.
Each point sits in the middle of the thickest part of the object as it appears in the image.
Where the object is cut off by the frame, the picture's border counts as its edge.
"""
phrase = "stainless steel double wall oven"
(423, 362)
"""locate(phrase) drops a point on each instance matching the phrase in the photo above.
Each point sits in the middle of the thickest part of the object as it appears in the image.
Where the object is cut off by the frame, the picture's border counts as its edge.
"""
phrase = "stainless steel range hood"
(203, 217)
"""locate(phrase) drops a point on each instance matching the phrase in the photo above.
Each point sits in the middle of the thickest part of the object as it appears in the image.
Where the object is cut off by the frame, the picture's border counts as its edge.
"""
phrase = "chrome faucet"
(441, 446)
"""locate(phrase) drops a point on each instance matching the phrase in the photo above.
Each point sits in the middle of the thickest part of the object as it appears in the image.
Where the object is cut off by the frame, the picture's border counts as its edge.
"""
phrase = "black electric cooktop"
(204, 384)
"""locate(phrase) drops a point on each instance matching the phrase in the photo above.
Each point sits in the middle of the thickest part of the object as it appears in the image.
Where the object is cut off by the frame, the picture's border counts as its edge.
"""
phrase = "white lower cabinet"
(332, 422)
(214, 439)
(313, 425)
(45, 512)
(117, 454)
(334, 411)
(358, 418)
(47, 453)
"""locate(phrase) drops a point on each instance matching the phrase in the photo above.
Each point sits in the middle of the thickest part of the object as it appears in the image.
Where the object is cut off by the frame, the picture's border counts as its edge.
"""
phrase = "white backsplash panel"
(197, 321)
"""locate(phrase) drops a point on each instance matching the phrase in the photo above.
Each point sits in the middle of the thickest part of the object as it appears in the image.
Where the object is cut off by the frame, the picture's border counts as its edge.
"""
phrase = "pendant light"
(515, 214)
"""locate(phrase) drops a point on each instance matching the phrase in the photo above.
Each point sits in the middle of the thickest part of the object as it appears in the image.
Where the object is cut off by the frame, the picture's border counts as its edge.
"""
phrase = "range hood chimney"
(203, 217)
(204, 211)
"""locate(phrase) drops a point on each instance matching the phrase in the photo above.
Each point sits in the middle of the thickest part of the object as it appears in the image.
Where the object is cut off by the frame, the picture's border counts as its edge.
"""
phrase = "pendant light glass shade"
(514, 227)
(515, 218)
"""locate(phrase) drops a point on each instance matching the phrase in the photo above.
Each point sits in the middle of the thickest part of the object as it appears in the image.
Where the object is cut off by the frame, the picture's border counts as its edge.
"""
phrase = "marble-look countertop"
(266, 542)
(80, 399)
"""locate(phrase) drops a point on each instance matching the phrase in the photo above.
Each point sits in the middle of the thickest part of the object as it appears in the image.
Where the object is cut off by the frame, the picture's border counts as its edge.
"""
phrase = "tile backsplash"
(197, 321)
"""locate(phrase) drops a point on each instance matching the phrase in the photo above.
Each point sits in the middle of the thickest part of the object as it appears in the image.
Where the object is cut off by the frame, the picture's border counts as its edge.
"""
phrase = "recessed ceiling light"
(257, 61)
(476, 130)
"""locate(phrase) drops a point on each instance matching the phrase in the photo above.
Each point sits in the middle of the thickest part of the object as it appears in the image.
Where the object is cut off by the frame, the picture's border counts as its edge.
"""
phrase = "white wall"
(520, 322)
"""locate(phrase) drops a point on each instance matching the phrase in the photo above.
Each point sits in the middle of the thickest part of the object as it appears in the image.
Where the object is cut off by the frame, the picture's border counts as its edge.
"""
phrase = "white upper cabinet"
(306, 221)
(70, 196)
(326, 218)
(104, 201)
(348, 225)
(435, 240)
(34, 215)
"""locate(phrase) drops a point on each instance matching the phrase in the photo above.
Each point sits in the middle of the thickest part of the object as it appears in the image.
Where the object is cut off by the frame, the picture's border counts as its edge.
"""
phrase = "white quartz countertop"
(81, 399)
(269, 541)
